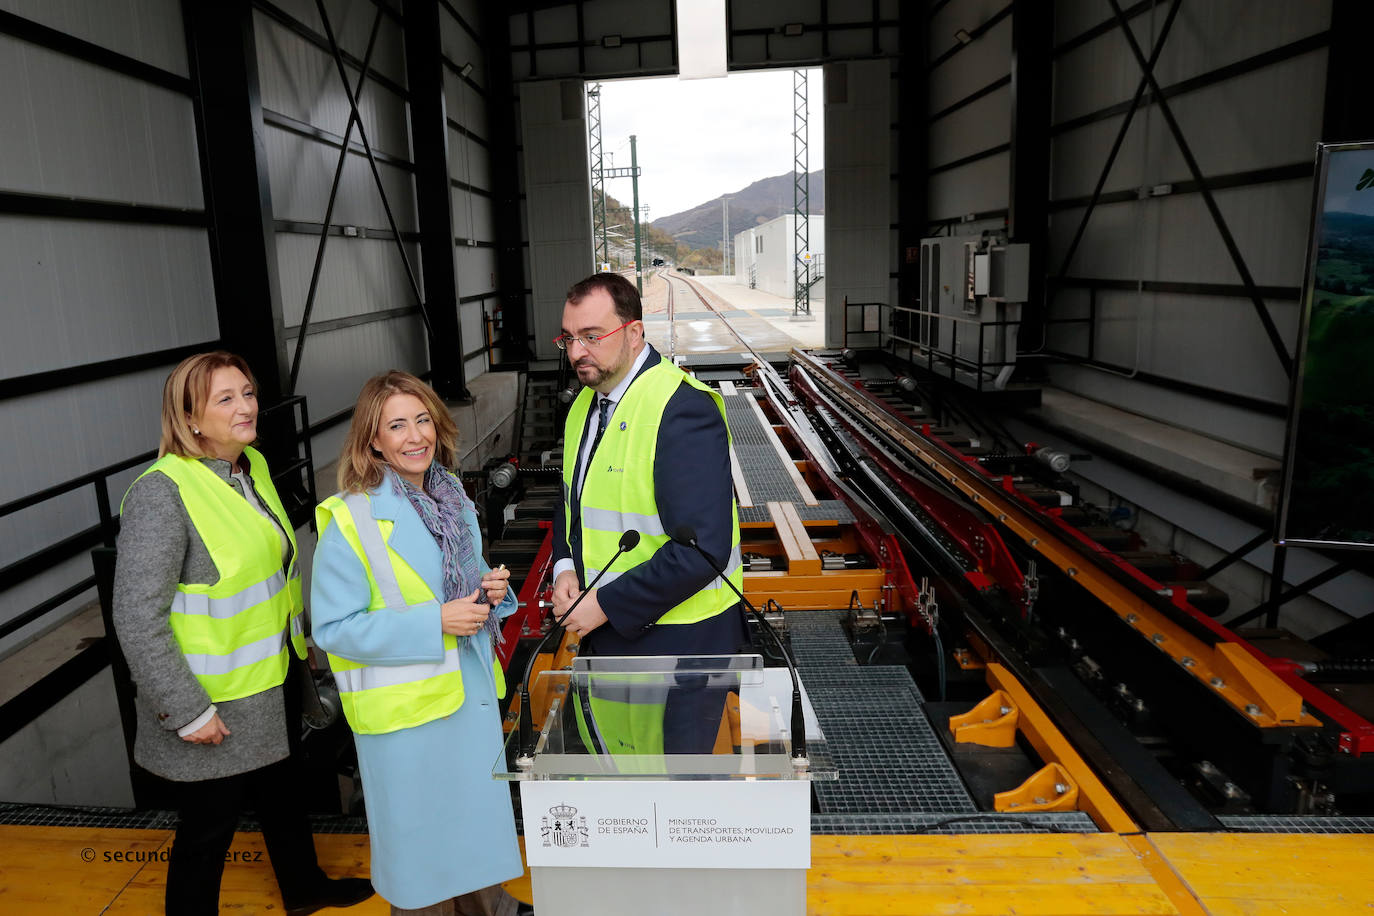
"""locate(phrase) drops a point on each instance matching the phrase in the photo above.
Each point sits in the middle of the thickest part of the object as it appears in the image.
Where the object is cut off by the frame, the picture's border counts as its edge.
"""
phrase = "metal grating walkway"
(889, 759)
(764, 474)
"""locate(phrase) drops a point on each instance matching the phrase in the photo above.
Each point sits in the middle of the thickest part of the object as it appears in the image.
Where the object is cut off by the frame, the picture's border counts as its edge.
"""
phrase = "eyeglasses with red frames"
(563, 341)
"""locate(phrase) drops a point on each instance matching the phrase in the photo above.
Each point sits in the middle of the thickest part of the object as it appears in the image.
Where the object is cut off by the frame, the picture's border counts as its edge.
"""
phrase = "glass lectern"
(666, 784)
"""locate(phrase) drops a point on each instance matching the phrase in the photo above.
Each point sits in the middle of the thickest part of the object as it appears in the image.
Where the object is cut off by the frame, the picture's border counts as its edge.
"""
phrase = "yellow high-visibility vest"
(237, 633)
(618, 488)
(377, 699)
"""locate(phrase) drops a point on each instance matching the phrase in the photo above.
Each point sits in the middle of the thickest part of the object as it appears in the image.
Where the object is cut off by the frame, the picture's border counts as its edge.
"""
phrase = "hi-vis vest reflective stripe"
(618, 488)
(626, 717)
(234, 633)
(377, 699)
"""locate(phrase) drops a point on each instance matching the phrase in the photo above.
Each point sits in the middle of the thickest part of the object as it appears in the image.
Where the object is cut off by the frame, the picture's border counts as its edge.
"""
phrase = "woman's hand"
(212, 732)
(495, 584)
(464, 616)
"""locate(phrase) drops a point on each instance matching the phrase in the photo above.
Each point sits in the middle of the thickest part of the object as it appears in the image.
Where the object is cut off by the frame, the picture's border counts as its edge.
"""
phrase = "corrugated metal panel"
(358, 276)
(147, 30)
(972, 188)
(301, 170)
(558, 204)
(94, 291)
(300, 80)
(72, 128)
(468, 161)
(977, 126)
(461, 48)
(336, 363)
(857, 189)
(464, 104)
(476, 269)
(351, 21)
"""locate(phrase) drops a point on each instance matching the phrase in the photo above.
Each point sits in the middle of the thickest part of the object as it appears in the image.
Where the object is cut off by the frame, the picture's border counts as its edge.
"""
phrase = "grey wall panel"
(336, 363)
(351, 21)
(358, 276)
(859, 43)
(461, 48)
(96, 291)
(472, 216)
(1260, 434)
(57, 435)
(974, 188)
(558, 205)
(978, 64)
(1174, 238)
(857, 188)
(977, 126)
(302, 169)
(1247, 123)
(1097, 74)
(472, 321)
(71, 128)
(476, 269)
(146, 30)
(468, 161)
(300, 81)
(465, 104)
(966, 15)
(1077, 157)
(1207, 36)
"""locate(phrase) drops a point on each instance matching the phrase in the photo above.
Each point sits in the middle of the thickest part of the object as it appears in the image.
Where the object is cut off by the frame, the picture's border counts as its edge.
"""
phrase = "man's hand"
(565, 592)
(587, 617)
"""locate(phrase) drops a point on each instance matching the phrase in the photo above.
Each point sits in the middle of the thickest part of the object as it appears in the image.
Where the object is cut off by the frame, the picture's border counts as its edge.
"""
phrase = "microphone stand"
(525, 758)
(685, 535)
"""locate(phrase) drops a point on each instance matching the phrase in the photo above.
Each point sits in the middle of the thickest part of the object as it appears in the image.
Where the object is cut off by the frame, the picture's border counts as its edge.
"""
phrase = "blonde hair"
(361, 467)
(184, 396)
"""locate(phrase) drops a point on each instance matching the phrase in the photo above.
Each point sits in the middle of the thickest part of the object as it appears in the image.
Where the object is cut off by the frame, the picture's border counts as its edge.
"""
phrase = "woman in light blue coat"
(417, 678)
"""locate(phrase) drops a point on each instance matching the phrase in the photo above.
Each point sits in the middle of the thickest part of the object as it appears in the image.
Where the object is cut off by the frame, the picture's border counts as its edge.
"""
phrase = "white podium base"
(564, 891)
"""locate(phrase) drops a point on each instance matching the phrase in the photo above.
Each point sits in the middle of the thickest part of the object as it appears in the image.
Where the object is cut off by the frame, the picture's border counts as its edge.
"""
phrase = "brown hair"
(628, 306)
(184, 395)
(361, 467)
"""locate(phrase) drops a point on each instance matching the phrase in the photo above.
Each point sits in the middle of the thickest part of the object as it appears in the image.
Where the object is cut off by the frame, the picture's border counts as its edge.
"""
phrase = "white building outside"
(764, 254)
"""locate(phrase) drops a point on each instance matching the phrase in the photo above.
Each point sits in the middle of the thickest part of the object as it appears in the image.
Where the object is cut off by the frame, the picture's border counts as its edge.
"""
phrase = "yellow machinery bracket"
(1049, 789)
(992, 723)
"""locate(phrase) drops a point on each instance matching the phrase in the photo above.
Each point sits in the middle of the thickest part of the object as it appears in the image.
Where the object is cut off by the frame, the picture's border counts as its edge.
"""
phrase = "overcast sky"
(699, 139)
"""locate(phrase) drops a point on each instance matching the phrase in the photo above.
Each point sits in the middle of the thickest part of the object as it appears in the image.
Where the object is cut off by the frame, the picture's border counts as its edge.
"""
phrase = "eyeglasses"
(563, 341)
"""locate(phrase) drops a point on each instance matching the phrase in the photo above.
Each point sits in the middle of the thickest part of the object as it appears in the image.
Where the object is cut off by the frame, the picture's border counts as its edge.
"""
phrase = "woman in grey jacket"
(207, 612)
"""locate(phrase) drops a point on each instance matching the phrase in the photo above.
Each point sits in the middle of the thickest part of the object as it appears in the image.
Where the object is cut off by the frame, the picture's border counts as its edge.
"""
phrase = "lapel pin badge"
(624, 426)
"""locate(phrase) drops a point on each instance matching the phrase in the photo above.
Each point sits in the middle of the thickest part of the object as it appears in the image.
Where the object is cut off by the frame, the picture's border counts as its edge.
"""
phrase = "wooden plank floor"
(75, 871)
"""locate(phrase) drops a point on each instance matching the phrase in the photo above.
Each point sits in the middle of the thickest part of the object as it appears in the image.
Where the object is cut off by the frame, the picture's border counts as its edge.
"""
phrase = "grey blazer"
(159, 547)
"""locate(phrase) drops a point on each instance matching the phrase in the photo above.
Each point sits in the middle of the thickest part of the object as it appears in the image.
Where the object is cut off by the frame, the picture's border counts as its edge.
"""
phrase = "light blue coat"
(440, 825)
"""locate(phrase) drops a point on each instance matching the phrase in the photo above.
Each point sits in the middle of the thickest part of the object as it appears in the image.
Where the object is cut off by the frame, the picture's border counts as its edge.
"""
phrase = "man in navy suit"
(691, 482)
(662, 598)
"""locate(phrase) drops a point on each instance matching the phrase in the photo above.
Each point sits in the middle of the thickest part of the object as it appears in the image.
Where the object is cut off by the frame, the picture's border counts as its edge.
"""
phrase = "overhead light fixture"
(792, 29)
(701, 39)
(465, 70)
(963, 37)
(610, 41)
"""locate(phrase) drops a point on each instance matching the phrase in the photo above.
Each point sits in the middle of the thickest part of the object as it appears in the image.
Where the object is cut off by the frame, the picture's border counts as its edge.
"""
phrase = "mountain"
(765, 199)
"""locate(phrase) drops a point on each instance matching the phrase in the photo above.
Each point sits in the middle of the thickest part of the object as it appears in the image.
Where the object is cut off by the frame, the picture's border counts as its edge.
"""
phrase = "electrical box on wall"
(1008, 272)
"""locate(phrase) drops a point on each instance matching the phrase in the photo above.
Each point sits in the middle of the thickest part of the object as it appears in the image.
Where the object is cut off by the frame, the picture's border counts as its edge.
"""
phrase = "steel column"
(222, 58)
(1032, 43)
(1347, 114)
(505, 182)
(434, 195)
(913, 134)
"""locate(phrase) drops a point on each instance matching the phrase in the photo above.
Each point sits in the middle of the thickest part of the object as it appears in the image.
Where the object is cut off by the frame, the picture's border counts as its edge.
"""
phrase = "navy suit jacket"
(692, 486)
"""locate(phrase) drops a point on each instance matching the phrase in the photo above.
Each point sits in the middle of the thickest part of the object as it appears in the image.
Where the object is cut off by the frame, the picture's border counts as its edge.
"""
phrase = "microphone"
(628, 541)
(685, 534)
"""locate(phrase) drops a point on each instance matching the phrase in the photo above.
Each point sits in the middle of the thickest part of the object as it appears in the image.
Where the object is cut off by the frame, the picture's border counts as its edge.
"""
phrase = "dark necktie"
(603, 408)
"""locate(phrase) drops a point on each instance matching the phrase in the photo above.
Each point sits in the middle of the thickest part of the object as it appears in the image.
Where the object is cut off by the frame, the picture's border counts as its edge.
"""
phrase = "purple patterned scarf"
(441, 505)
